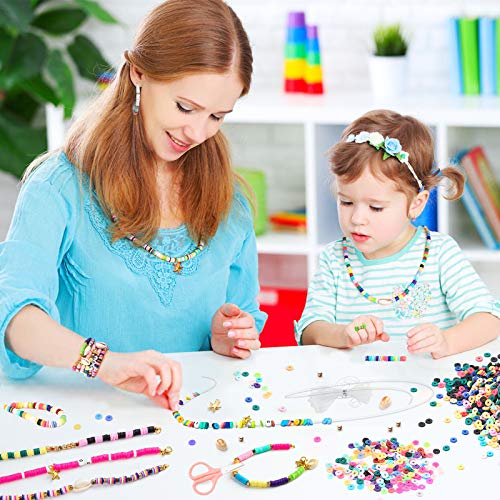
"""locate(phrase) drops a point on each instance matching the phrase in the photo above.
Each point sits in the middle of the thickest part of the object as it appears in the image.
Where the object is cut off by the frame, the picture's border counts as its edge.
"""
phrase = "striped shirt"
(447, 291)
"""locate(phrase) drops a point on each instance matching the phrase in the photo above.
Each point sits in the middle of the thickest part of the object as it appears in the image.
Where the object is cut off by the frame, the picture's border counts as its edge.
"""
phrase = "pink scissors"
(209, 475)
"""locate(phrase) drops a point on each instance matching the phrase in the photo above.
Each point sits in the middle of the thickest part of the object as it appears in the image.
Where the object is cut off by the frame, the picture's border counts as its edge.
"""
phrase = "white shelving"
(457, 123)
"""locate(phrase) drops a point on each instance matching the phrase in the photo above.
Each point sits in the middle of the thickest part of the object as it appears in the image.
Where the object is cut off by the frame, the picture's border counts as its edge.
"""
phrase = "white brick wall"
(344, 30)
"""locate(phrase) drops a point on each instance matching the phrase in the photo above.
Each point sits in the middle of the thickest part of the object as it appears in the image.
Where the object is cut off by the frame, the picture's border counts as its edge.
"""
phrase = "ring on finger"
(360, 327)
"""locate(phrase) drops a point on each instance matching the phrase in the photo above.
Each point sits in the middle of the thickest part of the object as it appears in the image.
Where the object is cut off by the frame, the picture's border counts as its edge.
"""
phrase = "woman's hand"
(427, 338)
(365, 330)
(147, 372)
(233, 332)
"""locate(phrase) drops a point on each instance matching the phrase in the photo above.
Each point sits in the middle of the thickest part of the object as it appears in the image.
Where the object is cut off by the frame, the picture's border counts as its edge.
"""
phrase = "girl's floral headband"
(391, 147)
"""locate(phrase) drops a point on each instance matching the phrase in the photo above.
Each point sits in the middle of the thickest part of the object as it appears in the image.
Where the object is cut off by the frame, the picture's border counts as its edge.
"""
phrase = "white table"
(82, 399)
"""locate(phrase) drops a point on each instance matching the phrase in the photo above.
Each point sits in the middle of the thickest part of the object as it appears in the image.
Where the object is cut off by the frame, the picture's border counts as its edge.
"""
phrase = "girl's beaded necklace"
(82, 485)
(10, 455)
(395, 297)
(175, 261)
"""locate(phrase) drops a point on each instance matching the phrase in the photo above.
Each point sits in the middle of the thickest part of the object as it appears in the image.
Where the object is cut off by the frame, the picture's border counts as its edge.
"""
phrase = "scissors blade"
(232, 467)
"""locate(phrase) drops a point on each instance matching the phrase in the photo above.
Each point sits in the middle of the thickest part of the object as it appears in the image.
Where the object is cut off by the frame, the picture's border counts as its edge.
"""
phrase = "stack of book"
(481, 195)
(293, 221)
(475, 55)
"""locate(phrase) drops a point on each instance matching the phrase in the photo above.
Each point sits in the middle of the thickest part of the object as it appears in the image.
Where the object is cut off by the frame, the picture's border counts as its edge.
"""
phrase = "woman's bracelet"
(91, 356)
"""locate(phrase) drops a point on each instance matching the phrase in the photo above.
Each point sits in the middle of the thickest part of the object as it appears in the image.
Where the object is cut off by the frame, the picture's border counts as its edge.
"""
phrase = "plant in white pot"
(388, 64)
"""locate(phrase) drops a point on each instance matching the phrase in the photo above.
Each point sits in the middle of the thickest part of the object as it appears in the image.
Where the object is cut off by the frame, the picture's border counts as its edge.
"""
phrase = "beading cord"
(395, 298)
(85, 484)
(175, 261)
(302, 464)
(115, 436)
(16, 408)
(55, 469)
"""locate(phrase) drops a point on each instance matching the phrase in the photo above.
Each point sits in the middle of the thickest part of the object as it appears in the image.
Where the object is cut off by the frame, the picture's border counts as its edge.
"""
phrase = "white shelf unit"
(316, 123)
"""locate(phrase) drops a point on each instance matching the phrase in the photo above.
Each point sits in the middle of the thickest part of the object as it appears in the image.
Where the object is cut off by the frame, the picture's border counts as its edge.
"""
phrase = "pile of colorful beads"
(475, 391)
(385, 466)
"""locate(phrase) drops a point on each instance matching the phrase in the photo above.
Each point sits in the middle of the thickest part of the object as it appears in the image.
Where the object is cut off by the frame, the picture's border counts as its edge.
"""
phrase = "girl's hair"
(178, 38)
(348, 160)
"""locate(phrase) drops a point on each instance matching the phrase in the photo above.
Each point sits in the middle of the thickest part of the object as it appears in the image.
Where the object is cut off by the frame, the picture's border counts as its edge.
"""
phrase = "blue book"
(456, 76)
(487, 56)
(476, 214)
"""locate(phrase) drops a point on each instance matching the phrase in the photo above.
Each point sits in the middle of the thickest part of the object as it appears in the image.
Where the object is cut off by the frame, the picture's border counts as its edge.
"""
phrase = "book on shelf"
(468, 32)
(487, 56)
(288, 221)
(457, 82)
(497, 55)
(481, 179)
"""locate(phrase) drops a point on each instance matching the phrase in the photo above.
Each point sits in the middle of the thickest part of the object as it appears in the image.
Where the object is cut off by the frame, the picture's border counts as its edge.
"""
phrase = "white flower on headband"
(390, 145)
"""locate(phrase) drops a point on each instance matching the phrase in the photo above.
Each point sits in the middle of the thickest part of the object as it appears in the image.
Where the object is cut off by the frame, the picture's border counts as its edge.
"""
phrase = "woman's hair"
(178, 38)
(349, 159)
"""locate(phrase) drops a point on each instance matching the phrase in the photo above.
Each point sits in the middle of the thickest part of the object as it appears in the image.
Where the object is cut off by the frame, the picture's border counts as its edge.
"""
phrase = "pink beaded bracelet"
(91, 356)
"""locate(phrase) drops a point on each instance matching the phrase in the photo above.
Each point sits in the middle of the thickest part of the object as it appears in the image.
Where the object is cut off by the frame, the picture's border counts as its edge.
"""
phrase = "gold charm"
(307, 464)
(214, 406)
(221, 444)
(177, 267)
(385, 402)
(53, 473)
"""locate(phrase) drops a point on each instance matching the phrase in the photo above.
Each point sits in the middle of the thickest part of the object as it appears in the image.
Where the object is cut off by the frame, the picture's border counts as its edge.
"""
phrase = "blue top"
(59, 257)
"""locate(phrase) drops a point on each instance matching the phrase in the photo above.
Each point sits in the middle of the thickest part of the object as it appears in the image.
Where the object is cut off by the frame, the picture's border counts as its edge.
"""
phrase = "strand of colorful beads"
(83, 485)
(9, 455)
(54, 469)
(302, 465)
(16, 408)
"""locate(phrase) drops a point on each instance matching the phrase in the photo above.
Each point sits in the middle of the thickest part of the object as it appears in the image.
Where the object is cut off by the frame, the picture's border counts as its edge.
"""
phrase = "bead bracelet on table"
(82, 484)
(17, 408)
(54, 470)
(10, 455)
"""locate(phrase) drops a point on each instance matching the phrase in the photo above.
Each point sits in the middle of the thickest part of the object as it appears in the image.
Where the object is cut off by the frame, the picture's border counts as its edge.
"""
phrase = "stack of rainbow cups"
(302, 56)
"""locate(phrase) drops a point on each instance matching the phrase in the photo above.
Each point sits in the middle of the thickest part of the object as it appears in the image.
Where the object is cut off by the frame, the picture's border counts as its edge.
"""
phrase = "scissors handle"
(211, 475)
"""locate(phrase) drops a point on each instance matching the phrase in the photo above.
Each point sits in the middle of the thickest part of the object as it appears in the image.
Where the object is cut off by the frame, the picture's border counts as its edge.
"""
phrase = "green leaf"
(6, 46)
(60, 21)
(21, 105)
(389, 41)
(87, 58)
(16, 15)
(60, 72)
(20, 143)
(386, 155)
(41, 90)
(94, 9)
(26, 60)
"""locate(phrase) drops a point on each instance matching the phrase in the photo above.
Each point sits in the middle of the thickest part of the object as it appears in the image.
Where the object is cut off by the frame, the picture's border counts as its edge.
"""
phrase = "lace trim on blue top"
(160, 274)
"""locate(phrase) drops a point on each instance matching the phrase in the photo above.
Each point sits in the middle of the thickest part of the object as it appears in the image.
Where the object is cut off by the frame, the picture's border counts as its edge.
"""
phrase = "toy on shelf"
(314, 75)
(289, 221)
(295, 53)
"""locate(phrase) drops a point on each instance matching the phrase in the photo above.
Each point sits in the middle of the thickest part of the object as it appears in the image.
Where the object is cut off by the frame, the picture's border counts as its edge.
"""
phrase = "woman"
(136, 236)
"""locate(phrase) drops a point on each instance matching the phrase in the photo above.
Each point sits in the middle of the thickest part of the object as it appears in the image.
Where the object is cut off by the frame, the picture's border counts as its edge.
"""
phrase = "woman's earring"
(135, 106)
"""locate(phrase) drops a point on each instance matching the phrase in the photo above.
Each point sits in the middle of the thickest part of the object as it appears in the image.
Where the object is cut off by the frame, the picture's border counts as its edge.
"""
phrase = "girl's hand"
(427, 338)
(365, 330)
(233, 332)
(148, 372)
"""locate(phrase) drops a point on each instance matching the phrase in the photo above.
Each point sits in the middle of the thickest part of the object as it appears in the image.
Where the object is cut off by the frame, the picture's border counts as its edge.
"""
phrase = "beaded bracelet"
(83, 484)
(54, 470)
(91, 356)
(16, 409)
(10, 455)
(302, 465)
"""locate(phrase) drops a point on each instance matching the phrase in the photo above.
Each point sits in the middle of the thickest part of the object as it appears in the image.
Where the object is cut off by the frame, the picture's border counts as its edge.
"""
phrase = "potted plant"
(40, 51)
(388, 64)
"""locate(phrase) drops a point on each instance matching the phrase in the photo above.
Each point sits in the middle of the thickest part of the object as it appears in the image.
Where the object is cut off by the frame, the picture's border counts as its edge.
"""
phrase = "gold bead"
(221, 444)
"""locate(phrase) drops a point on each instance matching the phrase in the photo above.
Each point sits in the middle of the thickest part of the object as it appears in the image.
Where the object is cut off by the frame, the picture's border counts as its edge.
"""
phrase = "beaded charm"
(17, 409)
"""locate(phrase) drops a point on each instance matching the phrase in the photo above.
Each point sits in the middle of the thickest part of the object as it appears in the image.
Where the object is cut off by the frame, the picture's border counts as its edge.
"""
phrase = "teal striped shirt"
(448, 290)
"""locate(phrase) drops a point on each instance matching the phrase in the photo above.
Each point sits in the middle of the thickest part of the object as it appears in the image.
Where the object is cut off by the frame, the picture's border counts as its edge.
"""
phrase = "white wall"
(344, 31)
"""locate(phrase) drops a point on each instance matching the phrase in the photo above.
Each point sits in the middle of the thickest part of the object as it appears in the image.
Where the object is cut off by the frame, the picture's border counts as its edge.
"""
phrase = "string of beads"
(302, 465)
(395, 298)
(115, 436)
(16, 408)
(55, 469)
(84, 484)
